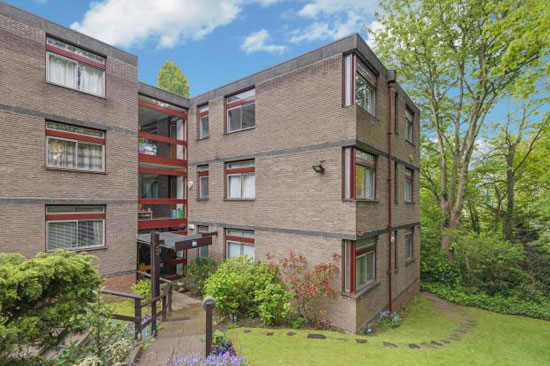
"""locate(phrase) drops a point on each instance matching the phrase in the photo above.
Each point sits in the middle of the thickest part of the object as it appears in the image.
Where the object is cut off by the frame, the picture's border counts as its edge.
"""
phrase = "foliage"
(273, 304)
(388, 319)
(110, 341)
(306, 284)
(143, 288)
(240, 286)
(198, 273)
(172, 79)
(497, 303)
(42, 298)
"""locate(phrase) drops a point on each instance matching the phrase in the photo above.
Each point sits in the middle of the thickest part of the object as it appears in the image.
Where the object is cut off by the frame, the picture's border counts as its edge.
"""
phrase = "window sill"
(363, 291)
(242, 130)
(240, 199)
(83, 249)
(409, 261)
(202, 199)
(366, 200)
(76, 90)
(410, 143)
(410, 202)
(203, 138)
(75, 170)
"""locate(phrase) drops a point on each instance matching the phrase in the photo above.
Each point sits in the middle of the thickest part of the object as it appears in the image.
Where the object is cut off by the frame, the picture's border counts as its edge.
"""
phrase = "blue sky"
(213, 41)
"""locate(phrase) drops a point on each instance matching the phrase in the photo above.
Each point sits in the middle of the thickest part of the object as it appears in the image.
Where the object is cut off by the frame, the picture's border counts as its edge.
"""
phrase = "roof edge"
(163, 95)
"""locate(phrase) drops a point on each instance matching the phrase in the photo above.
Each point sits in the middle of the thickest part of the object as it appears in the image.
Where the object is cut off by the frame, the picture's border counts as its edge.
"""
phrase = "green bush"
(240, 286)
(499, 304)
(273, 304)
(198, 273)
(143, 288)
(41, 298)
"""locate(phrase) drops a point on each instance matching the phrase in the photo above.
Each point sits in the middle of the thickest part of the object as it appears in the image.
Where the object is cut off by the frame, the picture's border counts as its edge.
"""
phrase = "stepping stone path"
(436, 343)
(427, 345)
(247, 331)
(316, 336)
(390, 345)
(414, 346)
(290, 334)
(359, 340)
(269, 334)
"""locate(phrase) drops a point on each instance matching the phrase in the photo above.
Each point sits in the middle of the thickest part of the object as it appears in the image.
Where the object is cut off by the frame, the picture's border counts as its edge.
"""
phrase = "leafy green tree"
(172, 79)
(459, 58)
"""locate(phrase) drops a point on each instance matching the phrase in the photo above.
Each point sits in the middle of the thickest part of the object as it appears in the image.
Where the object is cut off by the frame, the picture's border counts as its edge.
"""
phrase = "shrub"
(198, 273)
(41, 298)
(499, 304)
(389, 319)
(274, 304)
(240, 286)
(143, 288)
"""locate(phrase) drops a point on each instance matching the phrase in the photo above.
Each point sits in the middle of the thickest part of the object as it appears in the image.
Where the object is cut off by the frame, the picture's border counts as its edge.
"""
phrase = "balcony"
(161, 202)
(161, 151)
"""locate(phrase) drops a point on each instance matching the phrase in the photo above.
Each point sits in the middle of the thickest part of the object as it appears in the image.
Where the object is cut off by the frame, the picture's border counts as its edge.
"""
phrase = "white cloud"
(256, 41)
(374, 28)
(130, 22)
(333, 19)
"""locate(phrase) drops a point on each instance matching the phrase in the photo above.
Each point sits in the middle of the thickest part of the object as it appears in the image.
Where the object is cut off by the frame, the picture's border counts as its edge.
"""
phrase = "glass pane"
(90, 233)
(233, 249)
(74, 129)
(347, 259)
(360, 271)
(360, 181)
(234, 186)
(74, 209)
(90, 156)
(204, 132)
(364, 94)
(61, 153)
(240, 164)
(62, 71)
(248, 185)
(369, 183)
(202, 229)
(62, 235)
(91, 80)
(204, 187)
(243, 95)
(249, 115)
(365, 157)
(362, 67)
(77, 51)
(249, 251)
(234, 119)
(203, 252)
(363, 243)
(408, 190)
(370, 266)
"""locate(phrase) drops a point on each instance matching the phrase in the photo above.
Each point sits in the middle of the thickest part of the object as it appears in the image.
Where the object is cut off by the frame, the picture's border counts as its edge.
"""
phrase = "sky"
(213, 41)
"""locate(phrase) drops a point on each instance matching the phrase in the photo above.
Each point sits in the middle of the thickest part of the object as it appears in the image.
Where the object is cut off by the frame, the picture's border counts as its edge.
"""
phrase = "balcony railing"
(161, 150)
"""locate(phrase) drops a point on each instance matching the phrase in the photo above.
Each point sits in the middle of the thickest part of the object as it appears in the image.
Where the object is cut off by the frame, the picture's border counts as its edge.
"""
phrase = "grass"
(496, 340)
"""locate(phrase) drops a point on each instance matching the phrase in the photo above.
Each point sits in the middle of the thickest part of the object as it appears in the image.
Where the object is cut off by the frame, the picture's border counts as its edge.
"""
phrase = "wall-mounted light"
(319, 168)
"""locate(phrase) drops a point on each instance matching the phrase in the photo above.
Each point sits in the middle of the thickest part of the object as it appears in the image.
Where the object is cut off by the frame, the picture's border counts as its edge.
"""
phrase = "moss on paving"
(496, 339)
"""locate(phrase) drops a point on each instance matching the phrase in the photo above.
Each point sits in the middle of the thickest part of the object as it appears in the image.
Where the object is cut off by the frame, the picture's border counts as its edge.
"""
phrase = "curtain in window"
(360, 271)
(62, 235)
(91, 80)
(249, 115)
(248, 186)
(62, 71)
(234, 186)
(234, 117)
(369, 183)
(233, 250)
(249, 251)
(90, 233)
(204, 127)
(204, 187)
(90, 156)
(61, 153)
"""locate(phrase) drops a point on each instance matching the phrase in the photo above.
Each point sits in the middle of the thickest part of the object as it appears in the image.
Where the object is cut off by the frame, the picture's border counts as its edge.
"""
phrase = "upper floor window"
(75, 227)
(241, 179)
(360, 84)
(409, 244)
(409, 132)
(359, 264)
(241, 111)
(409, 173)
(74, 68)
(73, 147)
(204, 128)
(203, 181)
(359, 174)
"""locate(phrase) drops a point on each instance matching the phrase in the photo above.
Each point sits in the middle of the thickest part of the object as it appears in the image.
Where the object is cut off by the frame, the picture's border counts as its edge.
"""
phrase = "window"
(409, 133)
(74, 68)
(72, 147)
(241, 111)
(408, 185)
(203, 251)
(359, 174)
(395, 250)
(204, 128)
(241, 180)
(239, 242)
(75, 227)
(203, 181)
(365, 176)
(409, 245)
(359, 263)
(396, 182)
(359, 84)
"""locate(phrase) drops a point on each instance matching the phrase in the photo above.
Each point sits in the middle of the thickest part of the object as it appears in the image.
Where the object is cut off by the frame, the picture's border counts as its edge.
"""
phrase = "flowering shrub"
(389, 319)
(225, 359)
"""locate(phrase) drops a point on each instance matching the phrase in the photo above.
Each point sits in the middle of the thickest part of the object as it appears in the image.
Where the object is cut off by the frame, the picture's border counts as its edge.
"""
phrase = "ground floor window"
(203, 251)
(240, 242)
(75, 227)
(359, 264)
(409, 244)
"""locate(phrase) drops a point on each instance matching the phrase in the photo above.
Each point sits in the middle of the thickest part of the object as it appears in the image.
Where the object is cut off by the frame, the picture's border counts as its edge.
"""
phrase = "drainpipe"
(391, 108)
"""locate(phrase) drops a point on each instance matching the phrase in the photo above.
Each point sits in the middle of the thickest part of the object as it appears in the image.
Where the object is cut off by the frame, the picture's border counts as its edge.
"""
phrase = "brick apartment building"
(318, 155)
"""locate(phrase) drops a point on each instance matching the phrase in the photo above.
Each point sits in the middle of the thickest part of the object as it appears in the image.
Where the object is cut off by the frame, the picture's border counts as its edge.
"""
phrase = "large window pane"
(234, 119)
(234, 186)
(62, 71)
(364, 182)
(249, 251)
(204, 128)
(360, 271)
(61, 153)
(249, 115)
(203, 187)
(91, 80)
(62, 235)
(90, 233)
(364, 94)
(233, 249)
(90, 156)
(248, 185)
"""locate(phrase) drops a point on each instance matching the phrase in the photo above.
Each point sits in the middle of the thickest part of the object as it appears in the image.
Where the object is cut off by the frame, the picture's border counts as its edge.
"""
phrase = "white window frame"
(242, 95)
(103, 245)
(241, 245)
(77, 76)
(240, 164)
(48, 138)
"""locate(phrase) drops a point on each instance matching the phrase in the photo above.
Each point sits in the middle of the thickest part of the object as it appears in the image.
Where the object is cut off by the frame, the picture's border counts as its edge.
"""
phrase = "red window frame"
(241, 170)
(238, 239)
(200, 174)
(349, 172)
(353, 255)
(240, 102)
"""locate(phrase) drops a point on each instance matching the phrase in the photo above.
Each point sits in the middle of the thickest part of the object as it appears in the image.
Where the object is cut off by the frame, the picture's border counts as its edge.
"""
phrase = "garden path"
(182, 334)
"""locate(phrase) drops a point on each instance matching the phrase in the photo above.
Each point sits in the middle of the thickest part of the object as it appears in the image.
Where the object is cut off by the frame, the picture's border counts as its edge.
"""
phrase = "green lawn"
(495, 340)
